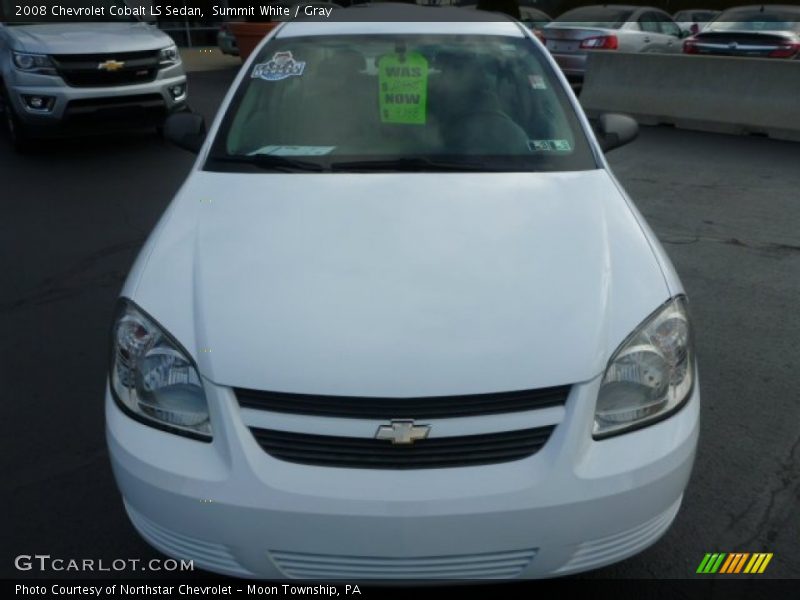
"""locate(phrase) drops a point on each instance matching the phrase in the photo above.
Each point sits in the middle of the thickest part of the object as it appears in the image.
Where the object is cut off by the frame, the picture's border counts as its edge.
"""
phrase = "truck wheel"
(19, 137)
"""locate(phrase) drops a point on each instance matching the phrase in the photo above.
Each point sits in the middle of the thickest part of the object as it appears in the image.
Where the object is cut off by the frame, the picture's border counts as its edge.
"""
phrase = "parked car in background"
(574, 34)
(694, 21)
(226, 41)
(757, 31)
(73, 76)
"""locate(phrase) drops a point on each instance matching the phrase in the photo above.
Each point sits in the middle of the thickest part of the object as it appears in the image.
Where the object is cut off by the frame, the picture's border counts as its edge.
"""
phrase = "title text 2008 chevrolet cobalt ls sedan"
(401, 321)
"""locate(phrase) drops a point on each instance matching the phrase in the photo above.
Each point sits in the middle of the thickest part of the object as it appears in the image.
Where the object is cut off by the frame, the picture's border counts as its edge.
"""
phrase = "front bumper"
(82, 109)
(576, 505)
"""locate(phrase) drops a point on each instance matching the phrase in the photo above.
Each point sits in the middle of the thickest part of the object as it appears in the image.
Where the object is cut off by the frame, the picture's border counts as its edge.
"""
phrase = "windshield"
(595, 16)
(428, 102)
(755, 20)
(13, 12)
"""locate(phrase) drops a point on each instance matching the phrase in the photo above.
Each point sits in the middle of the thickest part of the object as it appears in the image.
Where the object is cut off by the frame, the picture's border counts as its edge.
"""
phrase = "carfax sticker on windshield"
(551, 145)
(294, 150)
(403, 88)
(537, 82)
(281, 66)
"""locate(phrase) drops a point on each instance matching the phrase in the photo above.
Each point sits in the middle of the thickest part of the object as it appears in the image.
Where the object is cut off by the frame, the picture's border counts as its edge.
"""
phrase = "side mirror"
(186, 130)
(614, 130)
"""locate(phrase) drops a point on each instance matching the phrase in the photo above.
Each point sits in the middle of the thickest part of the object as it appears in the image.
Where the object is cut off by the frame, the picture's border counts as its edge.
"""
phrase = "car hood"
(399, 284)
(87, 38)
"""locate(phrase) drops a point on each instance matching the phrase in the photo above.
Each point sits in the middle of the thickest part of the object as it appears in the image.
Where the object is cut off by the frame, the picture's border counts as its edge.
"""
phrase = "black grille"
(82, 70)
(403, 408)
(370, 453)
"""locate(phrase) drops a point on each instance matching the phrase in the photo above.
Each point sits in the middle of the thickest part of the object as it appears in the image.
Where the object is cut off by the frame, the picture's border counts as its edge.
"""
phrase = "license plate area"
(559, 46)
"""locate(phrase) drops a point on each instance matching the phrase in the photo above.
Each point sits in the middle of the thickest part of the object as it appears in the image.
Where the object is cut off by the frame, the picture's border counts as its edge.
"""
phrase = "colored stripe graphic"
(734, 563)
(711, 563)
(744, 558)
(737, 563)
(703, 563)
(727, 564)
(758, 563)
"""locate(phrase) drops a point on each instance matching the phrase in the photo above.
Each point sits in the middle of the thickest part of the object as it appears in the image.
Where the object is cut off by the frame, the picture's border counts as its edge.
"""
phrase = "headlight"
(34, 63)
(153, 378)
(169, 56)
(651, 374)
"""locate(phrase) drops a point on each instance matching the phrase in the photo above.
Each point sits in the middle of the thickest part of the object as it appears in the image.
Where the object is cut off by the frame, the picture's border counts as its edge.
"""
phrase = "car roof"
(395, 18)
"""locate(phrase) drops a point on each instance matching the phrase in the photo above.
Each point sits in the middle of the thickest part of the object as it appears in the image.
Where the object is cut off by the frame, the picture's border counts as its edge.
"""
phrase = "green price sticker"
(403, 81)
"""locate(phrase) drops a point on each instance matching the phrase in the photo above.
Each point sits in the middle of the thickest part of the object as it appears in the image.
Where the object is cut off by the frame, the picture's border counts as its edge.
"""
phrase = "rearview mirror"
(614, 130)
(186, 130)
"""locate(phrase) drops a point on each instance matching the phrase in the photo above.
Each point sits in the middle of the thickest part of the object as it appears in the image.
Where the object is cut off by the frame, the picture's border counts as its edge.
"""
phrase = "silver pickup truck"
(72, 77)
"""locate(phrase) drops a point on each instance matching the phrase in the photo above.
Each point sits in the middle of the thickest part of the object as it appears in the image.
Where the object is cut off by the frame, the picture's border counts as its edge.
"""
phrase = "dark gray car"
(757, 31)
(574, 34)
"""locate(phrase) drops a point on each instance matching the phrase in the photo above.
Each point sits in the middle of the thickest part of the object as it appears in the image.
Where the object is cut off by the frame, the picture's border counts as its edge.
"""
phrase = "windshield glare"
(485, 102)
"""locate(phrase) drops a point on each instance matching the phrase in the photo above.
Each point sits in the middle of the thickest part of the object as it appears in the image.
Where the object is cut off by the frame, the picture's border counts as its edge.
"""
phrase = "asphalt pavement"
(75, 214)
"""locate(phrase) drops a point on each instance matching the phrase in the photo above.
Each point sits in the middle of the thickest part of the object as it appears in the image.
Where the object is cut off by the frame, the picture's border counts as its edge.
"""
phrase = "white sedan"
(401, 321)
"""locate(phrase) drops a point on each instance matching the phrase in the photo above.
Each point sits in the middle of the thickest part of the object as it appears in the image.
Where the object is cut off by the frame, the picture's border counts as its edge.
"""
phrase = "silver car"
(75, 75)
(574, 34)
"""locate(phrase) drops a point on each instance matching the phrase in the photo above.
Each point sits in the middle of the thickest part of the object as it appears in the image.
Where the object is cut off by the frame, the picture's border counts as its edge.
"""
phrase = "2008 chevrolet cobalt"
(401, 321)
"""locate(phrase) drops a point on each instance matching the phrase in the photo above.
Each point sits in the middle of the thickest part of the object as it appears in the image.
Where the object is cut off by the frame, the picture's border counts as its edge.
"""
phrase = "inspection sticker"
(537, 82)
(281, 66)
(295, 150)
(403, 82)
(551, 145)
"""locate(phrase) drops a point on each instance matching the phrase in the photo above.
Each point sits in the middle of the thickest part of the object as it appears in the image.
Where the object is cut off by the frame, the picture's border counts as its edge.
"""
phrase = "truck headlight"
(169, 56)
(33, 63)
(651, 374)
(153, 379)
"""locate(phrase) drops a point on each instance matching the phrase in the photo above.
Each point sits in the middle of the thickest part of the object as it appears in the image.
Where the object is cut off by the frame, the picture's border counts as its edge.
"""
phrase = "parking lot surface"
(75, 214)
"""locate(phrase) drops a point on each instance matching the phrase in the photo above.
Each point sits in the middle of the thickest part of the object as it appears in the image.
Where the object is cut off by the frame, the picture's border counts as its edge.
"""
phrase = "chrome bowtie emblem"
(402, 432)
(733, 45)
(111, 65)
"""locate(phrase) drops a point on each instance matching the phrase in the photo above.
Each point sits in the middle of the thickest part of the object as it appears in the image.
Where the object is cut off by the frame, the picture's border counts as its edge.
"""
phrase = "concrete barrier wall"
(707, 93)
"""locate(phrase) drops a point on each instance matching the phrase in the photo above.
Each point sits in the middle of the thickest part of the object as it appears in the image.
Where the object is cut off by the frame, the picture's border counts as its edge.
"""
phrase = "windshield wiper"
(408, 164)
(271, 162)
